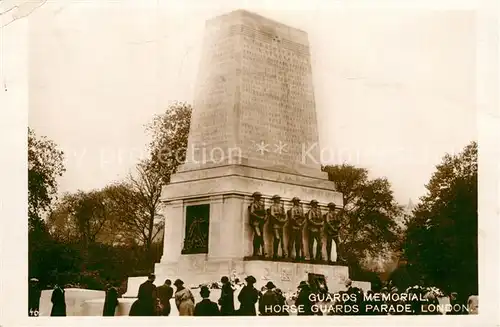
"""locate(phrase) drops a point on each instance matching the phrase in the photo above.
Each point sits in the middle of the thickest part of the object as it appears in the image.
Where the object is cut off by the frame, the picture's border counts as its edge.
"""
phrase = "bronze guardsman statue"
(314, 226)
(277, 219)
(258, 218)
(296, 220)
(332, 226)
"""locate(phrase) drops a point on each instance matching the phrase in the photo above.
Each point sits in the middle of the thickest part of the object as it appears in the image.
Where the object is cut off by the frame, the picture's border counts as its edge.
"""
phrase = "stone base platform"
(75, 298)
(95, 307)
(133, 284)
(199, 269)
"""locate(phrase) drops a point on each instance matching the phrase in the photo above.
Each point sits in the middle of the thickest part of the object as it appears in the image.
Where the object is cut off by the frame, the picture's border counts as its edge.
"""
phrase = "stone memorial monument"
(253, 129)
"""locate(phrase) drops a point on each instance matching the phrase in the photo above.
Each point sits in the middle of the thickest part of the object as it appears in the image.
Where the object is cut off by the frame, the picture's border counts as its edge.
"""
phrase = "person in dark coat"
(355, 299)
(110, 301)
(146, 299)
(135, 309)
(282, 302)
(58, 300)
(268, 301)
(165, 293)
(206, 307)
(226, 300)
(454, 300)
(248, 297)
(304, 300)
(34, 294)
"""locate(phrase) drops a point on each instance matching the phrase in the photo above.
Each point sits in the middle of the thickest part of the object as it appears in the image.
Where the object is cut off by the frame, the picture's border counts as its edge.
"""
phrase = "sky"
(394, 88)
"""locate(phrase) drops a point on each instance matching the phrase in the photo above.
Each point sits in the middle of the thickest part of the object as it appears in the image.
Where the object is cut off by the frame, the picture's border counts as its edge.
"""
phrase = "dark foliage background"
(441, 240)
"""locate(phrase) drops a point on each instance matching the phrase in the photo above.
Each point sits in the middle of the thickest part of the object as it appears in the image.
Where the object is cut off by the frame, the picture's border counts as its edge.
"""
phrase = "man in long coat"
(248, 297)
(34, 298)
(110, 301)
(304, 300)
(58, 300)
(146, 299)
(226, 300)
(165, 293)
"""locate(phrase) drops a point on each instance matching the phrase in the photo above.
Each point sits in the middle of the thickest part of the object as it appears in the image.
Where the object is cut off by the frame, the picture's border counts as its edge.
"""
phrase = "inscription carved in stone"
(286, 274)
(267, 274)
(255, 85)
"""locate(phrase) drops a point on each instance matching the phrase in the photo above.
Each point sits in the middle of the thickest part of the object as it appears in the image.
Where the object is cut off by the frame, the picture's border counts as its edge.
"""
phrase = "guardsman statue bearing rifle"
(258, 218)
(278, 220)
(332, 226)
(315, 226)
(296, 221)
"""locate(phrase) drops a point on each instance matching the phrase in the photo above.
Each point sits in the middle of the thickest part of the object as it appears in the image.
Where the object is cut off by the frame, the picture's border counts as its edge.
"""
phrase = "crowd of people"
(152, 300)
(309, 299)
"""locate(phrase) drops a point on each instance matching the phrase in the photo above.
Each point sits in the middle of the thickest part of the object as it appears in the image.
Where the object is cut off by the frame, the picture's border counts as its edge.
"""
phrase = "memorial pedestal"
(227, 191)
(198, 269)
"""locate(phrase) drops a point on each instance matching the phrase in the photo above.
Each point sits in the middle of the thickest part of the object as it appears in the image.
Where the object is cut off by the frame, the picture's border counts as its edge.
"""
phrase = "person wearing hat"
(296, 220)
(258, 217)
(430, 301)
(268, 301)
(248, 296)
(315, 226)
(110, 301)
(278, 220)
(34, 294)
(206, 307)
(281, 302)
(454, 301)
(226, 300)
(332, 226)
(58, 300)
(304, 299)
(184, 299)
(147, 296)
(165, 293)
(355, 297)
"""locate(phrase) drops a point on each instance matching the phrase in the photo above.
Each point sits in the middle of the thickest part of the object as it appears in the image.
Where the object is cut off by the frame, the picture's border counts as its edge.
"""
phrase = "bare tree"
(146, 184)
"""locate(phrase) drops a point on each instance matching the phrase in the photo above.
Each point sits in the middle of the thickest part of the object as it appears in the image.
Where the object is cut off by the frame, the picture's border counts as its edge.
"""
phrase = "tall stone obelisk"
(253, 128)
(254, 101)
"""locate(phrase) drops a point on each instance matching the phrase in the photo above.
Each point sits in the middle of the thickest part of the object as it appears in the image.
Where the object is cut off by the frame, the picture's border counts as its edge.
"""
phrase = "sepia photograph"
(227, 159)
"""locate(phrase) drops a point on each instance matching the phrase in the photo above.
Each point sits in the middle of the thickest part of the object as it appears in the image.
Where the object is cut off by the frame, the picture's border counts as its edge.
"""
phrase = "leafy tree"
(123, 204)
(169, 133)
(45, 165)
(369, 227)
(441, 239)
(108, 229)
(80, 216)
(61, 221)
(124, 213)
